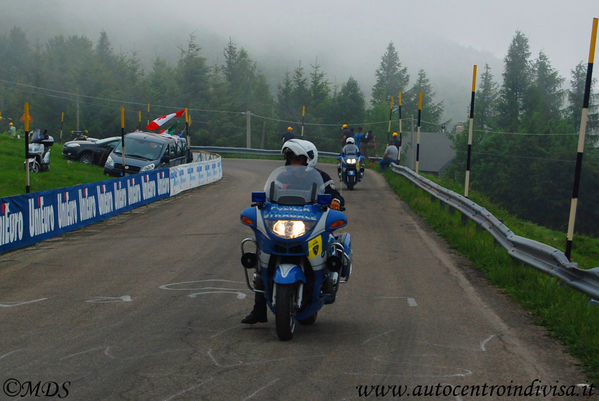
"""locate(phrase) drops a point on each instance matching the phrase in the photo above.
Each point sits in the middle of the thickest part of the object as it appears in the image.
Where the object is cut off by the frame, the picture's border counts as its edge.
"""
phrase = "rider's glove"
(335, 204)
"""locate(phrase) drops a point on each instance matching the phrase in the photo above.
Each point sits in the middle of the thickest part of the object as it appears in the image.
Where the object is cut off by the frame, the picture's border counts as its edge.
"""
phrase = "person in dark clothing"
(346, 133)
(302, 153)
(288, 134)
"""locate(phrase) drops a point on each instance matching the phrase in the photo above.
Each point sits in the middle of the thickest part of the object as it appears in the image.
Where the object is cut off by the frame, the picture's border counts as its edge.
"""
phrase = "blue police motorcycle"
(350, 169)
(299, 262)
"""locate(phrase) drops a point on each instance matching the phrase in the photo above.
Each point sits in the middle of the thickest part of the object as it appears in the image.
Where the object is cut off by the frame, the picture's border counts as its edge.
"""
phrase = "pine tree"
(391, 77)
(485, 107)
(431, 111)
(516, 79)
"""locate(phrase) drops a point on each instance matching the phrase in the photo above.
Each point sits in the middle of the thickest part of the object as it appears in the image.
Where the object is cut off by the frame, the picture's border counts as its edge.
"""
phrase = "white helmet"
(350, 140)
(301, 147)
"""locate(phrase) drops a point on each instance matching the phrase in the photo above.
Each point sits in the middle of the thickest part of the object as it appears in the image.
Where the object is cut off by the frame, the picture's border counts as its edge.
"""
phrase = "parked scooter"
(299, 262)
(38, 152)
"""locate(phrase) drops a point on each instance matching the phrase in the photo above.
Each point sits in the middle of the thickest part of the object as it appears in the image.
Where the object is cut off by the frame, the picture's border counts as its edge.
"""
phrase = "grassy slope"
(62, 172)
(565, 312)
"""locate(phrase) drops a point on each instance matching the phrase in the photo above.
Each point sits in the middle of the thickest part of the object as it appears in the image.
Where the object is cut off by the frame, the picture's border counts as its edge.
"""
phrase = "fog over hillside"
(346, 38)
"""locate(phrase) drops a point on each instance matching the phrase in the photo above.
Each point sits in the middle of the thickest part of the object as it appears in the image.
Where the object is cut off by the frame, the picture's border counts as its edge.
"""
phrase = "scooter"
(298, 261)
(38, 151)
(350, 169)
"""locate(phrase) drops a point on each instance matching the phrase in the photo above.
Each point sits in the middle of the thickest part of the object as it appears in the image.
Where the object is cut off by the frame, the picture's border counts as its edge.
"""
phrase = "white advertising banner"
(192, 175)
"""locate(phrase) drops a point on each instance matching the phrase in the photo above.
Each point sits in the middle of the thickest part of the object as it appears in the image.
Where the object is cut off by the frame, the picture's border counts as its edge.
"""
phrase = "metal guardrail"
(541, 256)
(250, 151)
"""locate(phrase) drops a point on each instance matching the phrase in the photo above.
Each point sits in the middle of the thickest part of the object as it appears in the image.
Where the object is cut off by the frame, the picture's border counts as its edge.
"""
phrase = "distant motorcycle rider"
(350, 147)
(301, 153)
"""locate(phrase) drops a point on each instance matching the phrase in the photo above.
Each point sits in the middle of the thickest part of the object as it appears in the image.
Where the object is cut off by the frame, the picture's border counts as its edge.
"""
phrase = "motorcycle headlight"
(147, 168)
(290, 228)
(109, 162)
(351, 161)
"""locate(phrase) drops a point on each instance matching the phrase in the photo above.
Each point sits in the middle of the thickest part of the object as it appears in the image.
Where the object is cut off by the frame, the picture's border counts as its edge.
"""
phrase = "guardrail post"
(464, 219)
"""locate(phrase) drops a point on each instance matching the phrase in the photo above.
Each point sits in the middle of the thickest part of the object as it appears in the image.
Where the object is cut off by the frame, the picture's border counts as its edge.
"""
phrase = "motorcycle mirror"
(258, 197)
(325, 199)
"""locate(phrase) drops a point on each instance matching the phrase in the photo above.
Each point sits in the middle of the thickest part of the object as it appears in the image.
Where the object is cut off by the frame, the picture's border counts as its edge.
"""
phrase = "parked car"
(146, 151)
(90, 150)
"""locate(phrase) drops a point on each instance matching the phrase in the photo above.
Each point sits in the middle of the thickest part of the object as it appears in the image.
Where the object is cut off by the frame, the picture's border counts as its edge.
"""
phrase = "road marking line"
(167, 286)
(82, 352)
(483, 343)
(10, 353)
(377, 336)
(260, 389)
(188, 389)
(240, 295)
(19, 303)
(218, 364)
(110, 300)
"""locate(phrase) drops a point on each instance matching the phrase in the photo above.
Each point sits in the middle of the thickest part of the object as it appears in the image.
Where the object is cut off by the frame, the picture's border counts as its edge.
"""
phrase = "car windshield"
(294, 185)
(140, 148)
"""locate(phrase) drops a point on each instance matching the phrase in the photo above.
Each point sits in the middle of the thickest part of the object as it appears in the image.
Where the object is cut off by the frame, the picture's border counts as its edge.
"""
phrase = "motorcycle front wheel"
(285, 311)
(34, 167)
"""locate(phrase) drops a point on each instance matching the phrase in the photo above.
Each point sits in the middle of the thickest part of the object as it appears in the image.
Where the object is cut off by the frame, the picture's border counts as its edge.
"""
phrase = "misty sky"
(347, 37)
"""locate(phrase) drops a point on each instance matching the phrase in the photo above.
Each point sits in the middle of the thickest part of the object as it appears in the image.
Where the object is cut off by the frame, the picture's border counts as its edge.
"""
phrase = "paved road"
(147, 305)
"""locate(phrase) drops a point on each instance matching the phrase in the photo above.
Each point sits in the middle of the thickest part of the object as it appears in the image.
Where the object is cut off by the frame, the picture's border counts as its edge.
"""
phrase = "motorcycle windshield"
(294, 185)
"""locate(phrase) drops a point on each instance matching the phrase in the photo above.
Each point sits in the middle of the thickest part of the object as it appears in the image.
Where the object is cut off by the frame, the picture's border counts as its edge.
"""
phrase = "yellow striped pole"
(470, 129)
(303, 115)
(418, 133)
(581, 135)
(187, 126)
(399, 118)
(26, 121)
(148, 120)
(61, 124)
(123, 141)
(390, 114)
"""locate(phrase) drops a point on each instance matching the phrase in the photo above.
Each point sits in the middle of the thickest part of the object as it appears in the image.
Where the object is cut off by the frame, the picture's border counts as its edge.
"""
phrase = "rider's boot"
(258, 313)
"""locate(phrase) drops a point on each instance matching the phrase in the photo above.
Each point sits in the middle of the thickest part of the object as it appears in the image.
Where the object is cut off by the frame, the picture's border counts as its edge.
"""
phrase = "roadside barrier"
(34, 217)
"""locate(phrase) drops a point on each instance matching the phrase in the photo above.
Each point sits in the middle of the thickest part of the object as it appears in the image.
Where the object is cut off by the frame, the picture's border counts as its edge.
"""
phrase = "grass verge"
(63, 173)
(566, 313)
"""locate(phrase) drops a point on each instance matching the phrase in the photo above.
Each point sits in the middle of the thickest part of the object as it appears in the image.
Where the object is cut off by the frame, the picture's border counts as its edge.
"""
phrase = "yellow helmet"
(395, 134)
(10, 123)
(289, 128)
(344, 126)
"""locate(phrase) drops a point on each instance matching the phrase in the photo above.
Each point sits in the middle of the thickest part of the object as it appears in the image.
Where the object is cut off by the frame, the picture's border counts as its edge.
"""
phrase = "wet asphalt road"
(147, 306)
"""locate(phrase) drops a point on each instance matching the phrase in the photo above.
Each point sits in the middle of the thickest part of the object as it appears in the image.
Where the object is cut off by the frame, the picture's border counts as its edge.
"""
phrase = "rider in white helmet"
(350, 147)
(303, 153)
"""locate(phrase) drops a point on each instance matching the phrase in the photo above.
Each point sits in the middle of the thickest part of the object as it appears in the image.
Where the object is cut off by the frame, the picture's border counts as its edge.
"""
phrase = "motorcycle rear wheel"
(285, 311)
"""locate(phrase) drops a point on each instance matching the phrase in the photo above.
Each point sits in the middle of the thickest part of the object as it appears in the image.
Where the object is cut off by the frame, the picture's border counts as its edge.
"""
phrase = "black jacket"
(329, 187)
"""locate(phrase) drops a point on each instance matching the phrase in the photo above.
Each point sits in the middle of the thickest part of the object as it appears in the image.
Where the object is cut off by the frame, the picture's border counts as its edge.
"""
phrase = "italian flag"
(161, 120)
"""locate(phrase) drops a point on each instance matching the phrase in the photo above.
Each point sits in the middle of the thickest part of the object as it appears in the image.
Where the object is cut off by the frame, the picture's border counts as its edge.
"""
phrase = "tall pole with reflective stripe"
(187, 127)
(303, 115)
(123, 141)
(581, 135)
(470, 129)
(418, 133)
(399, 118)
(390, 114)
(26, 123)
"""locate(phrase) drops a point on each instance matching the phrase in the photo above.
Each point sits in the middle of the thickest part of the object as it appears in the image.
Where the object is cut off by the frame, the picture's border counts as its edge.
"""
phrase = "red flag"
(161, 120)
